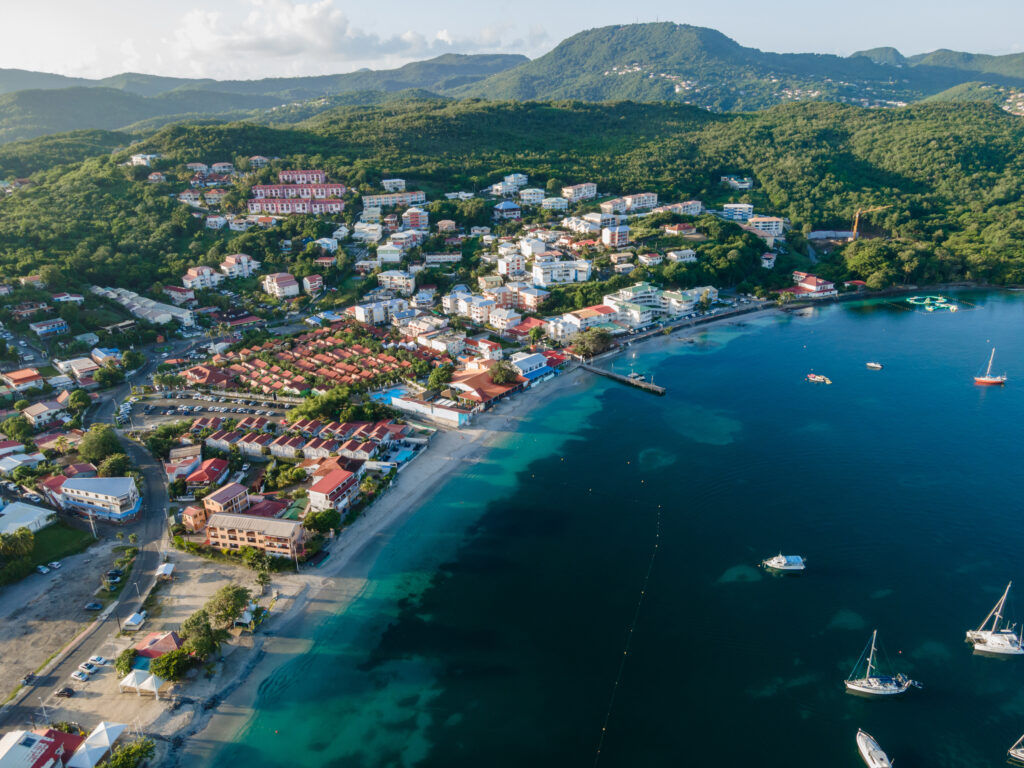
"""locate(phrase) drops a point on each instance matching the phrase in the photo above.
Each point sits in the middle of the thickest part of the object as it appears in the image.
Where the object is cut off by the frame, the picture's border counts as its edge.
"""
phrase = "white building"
(239, 265)
(531, 196)
(512, 265)
(553, 272)
(686, 256)
(389, 253)
(503, 319)
(615, 237)
(737, 211)
(578, 192)
(281, 285)
(580, 226)
(531, 246)
(438, 259)
(554, 204)
(328, 244)
(201, 277)
(340, 233)
(114, 498)
(393, 185)
(379, 312)
(650, 259)
(769, 225)
(365, 232)
(396, 280)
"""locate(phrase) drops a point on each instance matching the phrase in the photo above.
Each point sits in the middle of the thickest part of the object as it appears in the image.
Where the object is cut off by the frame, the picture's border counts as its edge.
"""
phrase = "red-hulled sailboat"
(988, 379)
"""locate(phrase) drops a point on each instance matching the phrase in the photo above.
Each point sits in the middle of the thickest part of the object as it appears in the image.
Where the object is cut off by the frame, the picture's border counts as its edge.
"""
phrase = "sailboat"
(1016, 752)
(870, 752)
(877, 685)
(995, 641)
(988, 379)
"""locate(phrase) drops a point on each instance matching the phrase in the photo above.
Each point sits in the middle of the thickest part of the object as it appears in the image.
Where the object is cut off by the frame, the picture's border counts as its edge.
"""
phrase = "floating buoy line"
(629, 634)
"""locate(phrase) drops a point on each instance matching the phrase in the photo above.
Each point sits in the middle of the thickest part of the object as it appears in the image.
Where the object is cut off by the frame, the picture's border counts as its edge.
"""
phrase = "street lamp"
(42, 703)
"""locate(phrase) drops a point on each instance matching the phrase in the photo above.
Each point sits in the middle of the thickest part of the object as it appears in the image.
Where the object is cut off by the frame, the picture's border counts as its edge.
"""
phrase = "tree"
(536, 334)
(322, 521)
(502, 372)
(132, 360)
(173, 665)
(199, 635)
(368, 486)
(226, 604)
(17, 428)
(132, 754)
(21, 405)
(254, 558)
(115, 465)
(79, 400)
(263, 580)
(440, 376)
(123, 662)
(592, 341)
(98, 443)
(108, 377)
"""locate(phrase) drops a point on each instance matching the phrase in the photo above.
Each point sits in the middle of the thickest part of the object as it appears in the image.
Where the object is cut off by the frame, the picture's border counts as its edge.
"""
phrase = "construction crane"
(856, 216)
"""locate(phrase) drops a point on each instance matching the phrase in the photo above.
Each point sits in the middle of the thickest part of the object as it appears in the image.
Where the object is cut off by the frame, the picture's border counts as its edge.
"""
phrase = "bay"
(494, 627)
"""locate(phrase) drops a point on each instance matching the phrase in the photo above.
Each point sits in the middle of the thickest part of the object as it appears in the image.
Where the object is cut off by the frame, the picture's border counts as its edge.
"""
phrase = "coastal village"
(285, 406)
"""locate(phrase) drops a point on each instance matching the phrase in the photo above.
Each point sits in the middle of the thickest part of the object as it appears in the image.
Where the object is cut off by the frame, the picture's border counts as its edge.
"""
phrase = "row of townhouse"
(642, 201)
(303, 191)
(286, 206)
(234, 265)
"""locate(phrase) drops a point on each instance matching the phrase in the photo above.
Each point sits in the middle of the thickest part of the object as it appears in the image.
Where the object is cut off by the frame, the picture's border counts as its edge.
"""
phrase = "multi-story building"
(228, 499)
(554, 204)
(335, 490)
(507, 211)
(397, 280)
(555, 271)
(202, 277)
(737, 211)
(281, 285)
(615, 237)
(502, 319)
(279, 538)
(738, 183)
(440, 259)
(258, 161)
(239, 265)
(770, 225)
(578, 192)
(302, 177)
(113, 498)
(513, 265)
(393, 185)
(46, 329)
(686, 208)
(531, 196)
(294, 205)
(332, 190)
(312, 284)
(393, 199)
(416, 218)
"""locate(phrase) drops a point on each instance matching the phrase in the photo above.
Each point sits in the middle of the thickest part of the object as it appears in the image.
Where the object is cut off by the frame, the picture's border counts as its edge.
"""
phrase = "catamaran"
(995, 641)
(1016, 752)
(870, 752)
(877, 685)
(785, 563)
(988, 379)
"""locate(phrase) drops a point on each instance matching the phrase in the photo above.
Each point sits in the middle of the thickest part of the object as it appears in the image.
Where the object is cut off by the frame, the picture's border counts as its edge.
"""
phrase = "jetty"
(634, 381)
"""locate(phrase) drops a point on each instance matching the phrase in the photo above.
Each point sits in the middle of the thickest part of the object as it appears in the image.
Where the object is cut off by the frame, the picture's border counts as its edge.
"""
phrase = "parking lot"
(161, 408)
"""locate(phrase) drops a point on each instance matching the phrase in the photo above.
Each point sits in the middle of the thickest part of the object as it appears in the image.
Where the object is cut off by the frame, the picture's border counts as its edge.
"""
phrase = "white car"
(99, 661)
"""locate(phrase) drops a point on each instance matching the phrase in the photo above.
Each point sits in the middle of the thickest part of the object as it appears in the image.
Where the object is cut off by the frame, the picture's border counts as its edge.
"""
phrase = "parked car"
(54, 564)
(80, 676)
(42, 569)
(111, 580)
(66, 693)
(99, 661)
(94, 606)
(86, 667)
(115, 572)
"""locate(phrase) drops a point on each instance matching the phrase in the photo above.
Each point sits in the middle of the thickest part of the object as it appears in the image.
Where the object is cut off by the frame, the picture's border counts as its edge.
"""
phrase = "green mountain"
(695, 65)
(23, 158)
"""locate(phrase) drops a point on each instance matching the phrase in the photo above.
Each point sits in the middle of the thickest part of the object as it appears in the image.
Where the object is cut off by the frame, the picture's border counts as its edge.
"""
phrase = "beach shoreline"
(331, 588)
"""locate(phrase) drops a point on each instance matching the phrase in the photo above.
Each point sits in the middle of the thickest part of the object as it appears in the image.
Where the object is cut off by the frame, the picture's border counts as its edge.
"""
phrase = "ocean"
(589, 593)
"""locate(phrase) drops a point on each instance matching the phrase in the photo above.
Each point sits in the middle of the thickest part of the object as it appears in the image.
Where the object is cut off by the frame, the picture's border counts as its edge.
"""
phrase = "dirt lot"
(196, 579)
(40, 614)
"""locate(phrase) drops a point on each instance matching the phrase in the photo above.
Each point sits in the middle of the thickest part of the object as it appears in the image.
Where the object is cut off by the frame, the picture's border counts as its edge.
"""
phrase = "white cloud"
(292, 37)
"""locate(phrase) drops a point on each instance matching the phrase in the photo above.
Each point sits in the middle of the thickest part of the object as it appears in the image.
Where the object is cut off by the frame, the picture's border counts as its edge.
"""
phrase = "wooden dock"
(639, 383)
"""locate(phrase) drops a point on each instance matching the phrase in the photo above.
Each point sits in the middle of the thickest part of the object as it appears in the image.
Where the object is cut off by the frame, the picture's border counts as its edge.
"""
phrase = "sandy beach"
(318, 593)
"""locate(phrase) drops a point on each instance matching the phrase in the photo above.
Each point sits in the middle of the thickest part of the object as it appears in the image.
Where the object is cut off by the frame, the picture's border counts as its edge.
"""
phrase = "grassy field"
(58, 540)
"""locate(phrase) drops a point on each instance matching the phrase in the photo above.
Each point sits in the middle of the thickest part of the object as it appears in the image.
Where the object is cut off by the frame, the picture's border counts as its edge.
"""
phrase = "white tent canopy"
(153, 685)
(165, 571)
(133, 679)
(96, 744)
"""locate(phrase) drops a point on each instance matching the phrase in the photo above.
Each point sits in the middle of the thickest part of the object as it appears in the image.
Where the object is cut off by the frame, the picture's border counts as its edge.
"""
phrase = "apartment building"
(239, 265)
(114, 498)
(280, 538)
(202, 277)
(393, 199)
(397, 280)
(302, 177)
(578, 192)
(335, 490)
(281, 285)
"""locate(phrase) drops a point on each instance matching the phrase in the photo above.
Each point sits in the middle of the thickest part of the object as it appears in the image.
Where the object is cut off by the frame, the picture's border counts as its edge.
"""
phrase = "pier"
(639, 383)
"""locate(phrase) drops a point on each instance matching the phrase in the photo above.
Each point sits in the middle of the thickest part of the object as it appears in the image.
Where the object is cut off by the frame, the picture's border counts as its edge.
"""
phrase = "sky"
(268, 38)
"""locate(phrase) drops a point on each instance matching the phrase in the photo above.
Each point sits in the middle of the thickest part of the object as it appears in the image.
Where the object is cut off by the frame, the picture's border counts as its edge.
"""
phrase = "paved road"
(149, 527)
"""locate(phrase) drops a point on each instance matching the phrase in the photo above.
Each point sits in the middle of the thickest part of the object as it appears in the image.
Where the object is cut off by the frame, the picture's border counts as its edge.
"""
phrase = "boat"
(988, 379)
(875, 366)
(995, 641)
(817, 378)
(1016, 752)
(785, 563)
(877, 685)
(870, 752)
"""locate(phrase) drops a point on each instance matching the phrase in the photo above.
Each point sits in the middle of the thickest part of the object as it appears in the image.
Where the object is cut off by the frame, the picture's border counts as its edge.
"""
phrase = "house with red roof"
(40, 748)
(156, 644)
(335, 490)
(211, 471)
(287, 446)
(810, 286)
(253, 443)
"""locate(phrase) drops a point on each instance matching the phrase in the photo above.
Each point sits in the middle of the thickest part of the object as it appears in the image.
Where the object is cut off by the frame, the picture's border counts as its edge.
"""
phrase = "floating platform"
(633, 381)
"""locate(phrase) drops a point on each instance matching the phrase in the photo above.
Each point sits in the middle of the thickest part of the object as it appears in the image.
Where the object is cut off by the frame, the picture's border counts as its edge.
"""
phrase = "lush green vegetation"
(22, 158)
(951, 174)
(58, 541)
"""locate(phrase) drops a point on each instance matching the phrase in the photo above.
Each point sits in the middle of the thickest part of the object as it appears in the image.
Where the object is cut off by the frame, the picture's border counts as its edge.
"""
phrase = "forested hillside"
(952, 174)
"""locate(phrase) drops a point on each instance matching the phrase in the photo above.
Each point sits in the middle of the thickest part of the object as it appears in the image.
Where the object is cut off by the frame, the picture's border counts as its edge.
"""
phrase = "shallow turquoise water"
(494, 627)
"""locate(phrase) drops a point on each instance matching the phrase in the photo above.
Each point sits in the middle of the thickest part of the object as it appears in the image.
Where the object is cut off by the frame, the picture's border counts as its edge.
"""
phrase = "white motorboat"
(993, 640)
(785, 563)
(870, 752)
(1016, 752)
(876, 685)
